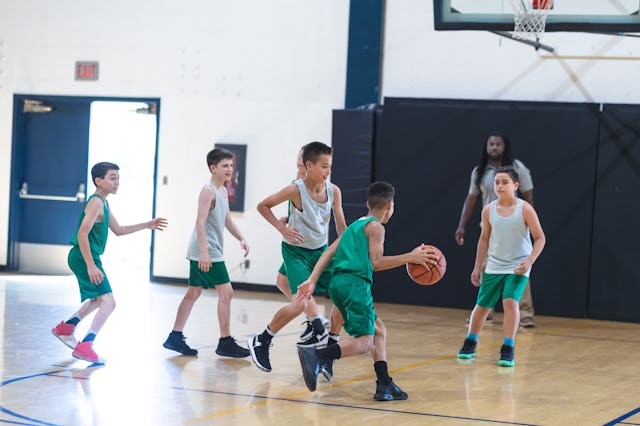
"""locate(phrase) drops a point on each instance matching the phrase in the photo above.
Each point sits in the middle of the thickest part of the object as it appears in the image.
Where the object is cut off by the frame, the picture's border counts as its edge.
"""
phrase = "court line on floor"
(12, 413)
(368, 377)
(268, 399)
(291, 397)
(620, 419)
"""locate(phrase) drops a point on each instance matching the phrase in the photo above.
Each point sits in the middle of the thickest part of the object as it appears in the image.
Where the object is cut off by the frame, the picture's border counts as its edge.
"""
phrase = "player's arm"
(92, 210)
(338, 212)
(206, 201)
(288, 193)
(468, 208)
(527, 196)
(526, 182)
(375, 233)
(539, 240)
(235, 231)
(483, 247)
(158, 224)
(307, 288)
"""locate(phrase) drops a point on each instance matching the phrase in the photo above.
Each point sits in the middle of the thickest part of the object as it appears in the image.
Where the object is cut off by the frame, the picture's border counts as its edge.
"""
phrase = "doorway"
(124, 133)
(56, 141)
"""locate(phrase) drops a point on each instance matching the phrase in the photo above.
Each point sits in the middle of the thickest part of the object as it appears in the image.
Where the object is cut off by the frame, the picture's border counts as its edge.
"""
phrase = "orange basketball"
(432, 273)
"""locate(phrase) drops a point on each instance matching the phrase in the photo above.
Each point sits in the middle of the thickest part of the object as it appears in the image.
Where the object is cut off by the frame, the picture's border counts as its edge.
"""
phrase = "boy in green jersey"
(356, 254)
(84, 260)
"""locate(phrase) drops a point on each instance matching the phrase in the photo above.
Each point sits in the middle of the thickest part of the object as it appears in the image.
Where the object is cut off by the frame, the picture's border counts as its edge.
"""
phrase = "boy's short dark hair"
(510, 171)
(313, 150)
(100, 170)
(216, 155)
(380, 193)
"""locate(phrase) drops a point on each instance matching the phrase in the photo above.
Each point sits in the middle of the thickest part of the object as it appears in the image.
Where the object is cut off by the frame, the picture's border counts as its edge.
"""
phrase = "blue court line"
(328, 404)
(622, 417)
(20, 416)
(16, 423)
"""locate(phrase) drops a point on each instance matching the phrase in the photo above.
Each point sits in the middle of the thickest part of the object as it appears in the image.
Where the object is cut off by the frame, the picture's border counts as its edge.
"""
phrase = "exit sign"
(87, 70)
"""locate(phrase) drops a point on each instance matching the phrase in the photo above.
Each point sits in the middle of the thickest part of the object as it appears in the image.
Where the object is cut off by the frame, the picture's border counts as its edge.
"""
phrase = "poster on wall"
(235, 186)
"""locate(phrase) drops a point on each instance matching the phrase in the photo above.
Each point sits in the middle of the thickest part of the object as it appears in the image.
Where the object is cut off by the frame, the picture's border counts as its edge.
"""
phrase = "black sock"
(329, 353)
(333, 339)
(225, 339)
(318, 328)
(73, 321)
(266, 336)
(382, 372)
(176, 334)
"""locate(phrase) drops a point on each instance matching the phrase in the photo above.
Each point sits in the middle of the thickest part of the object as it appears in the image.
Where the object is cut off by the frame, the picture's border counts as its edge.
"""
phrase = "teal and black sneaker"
(506, 356)
(468, 349)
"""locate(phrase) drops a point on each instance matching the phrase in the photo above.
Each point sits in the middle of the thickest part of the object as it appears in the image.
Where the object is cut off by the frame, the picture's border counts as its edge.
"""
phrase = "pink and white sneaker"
(64, 332)
(84, 351)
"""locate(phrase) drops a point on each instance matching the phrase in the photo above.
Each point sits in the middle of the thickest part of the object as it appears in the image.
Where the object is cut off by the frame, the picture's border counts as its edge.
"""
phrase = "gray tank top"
(510, 241)
(213, 227)
(313, 220)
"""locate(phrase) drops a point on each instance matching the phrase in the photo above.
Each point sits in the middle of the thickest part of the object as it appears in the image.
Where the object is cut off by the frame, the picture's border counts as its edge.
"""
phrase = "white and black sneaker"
(315, 340)
(326, 369)
(308, 332)
(259, 353)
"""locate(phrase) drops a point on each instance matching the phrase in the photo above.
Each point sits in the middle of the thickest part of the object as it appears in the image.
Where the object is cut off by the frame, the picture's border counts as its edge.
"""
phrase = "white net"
(530, 18)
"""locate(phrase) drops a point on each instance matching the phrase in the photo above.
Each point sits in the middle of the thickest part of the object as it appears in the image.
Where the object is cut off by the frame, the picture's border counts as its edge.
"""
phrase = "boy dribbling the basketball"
(508, 224)
(356, 254)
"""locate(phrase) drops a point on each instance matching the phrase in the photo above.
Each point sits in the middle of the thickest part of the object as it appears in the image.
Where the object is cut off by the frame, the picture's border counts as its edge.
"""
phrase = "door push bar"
(23, 193)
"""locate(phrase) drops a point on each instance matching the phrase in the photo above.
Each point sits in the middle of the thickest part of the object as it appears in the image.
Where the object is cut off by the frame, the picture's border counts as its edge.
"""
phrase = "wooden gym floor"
(568, 371)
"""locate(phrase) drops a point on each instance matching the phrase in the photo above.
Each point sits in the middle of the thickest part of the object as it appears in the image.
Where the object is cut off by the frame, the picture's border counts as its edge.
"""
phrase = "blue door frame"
(41, 144)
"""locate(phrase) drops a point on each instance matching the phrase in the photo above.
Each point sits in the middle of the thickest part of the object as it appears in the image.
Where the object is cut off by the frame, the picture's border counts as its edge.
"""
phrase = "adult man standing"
(495, 153)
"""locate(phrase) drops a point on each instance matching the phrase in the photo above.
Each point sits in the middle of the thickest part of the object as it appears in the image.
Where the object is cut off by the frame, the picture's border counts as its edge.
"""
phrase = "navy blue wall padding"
(427, 150)
(615, 276)
(352, 140)
(364, 53)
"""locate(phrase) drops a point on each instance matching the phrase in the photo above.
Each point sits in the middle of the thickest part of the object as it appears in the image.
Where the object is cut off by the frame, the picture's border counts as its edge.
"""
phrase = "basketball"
(430, 274)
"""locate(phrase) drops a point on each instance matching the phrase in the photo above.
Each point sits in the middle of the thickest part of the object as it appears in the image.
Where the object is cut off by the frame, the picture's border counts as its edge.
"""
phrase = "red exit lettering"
(87, 70)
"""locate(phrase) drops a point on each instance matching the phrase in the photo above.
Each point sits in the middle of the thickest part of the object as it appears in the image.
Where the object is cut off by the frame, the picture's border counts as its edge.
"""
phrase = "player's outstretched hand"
(305, 290)
(158, 223)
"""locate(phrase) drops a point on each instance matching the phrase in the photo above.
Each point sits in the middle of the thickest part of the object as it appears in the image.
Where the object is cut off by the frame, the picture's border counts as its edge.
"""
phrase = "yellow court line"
(361, 379)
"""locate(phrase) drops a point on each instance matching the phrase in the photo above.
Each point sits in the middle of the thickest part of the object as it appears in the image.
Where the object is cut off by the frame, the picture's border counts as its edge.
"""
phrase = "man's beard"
(495, 157)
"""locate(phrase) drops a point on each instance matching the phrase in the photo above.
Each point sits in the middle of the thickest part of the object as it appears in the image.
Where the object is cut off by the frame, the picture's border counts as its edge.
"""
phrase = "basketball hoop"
(530, 17)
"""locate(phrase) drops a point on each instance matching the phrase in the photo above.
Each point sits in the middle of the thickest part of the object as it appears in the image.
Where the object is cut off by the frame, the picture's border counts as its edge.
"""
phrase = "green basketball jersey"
(100, 231)
(352, 256)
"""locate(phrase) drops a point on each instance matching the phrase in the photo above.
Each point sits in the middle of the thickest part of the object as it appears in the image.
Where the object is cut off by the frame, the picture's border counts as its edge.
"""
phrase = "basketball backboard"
(611, 16)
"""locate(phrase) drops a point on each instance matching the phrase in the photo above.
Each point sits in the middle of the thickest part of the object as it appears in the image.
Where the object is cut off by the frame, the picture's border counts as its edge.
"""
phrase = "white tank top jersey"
(313, 220)
(214, 228)
(510, 241)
